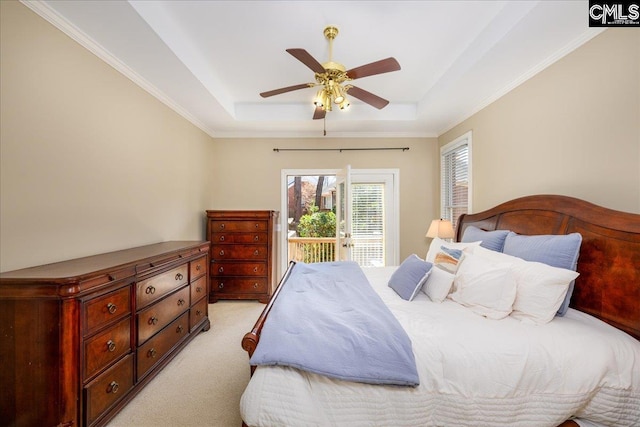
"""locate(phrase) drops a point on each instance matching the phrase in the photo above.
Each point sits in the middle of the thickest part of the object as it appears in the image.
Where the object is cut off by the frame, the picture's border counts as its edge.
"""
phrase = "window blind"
(367, 224)
(455, 181)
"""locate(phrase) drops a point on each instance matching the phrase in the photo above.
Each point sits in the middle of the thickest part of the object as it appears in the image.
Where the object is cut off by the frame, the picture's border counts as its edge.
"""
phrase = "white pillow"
(438, 284)
(541, 288)
(488, 288)
(437, 243)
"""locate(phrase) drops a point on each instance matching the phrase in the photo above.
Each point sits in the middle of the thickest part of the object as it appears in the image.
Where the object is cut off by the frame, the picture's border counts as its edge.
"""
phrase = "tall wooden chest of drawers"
(243, 254)
(78, 339)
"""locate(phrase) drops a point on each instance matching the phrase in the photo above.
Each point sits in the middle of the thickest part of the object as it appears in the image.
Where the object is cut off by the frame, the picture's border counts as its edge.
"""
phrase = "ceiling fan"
(331, 77)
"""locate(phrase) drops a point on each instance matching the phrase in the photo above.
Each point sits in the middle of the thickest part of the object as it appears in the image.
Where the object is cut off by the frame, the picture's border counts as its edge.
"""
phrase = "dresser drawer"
(230, 225)
(155, 349)
(152, 289)
(198, 289)
(244, 252)
(97, 312)
(108, 388)
(159, 315)
(239, 285)
(197, 267)
(197, 313)
(232, 238)
(239, 269)
(107, 346)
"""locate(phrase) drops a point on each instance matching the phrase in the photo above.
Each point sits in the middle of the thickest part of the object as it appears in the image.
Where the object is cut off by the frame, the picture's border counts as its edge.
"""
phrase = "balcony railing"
(368, 252)
(312, 249)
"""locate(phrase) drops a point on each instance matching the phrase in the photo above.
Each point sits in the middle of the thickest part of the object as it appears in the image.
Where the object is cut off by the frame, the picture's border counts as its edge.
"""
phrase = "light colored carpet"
(202, 385)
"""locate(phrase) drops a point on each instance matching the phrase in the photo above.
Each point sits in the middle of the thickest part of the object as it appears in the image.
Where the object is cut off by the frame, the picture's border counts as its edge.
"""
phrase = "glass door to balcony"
(340, 214)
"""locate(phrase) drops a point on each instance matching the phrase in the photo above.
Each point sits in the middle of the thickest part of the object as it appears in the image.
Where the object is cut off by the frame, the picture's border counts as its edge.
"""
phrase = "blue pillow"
(493, 240)
(408, 279)
(555, 250)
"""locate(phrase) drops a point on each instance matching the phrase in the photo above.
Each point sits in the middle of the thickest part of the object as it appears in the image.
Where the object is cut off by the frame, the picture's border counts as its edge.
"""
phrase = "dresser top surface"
(76, 268)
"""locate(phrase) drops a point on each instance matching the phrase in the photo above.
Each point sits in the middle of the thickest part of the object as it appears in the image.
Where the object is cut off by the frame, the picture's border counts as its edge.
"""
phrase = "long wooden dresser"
(79, 338)
(243, 254)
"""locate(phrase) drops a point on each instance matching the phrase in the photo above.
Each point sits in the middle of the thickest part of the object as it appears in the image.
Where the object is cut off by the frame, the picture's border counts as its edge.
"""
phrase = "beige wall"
(249, 175)
(573, 129)
(89, 161)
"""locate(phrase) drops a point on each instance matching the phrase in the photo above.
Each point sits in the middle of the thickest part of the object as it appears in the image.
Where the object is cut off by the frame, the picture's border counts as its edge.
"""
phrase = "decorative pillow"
(437, 244)
(541, 288)
(488, 288)
(408, 279)
(560, 251)
(448, 259)
(438, 284)
(493, 240)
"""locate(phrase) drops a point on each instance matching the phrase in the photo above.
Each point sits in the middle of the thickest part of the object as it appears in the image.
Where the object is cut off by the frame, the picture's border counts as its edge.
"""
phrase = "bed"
(582, 368)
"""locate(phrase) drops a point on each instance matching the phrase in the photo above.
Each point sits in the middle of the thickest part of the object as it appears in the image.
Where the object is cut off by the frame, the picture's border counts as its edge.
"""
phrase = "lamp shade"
(441, 228)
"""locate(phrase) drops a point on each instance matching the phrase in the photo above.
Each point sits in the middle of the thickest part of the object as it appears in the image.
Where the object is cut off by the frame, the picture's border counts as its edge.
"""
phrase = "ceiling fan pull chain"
(324, 124)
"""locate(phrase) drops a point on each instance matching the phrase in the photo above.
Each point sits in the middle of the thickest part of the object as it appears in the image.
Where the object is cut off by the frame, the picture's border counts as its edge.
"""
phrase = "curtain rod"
(340, 149)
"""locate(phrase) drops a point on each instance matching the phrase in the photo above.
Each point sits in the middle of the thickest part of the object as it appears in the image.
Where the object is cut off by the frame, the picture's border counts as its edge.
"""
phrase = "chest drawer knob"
(198, 289)
(179, 329)
(180, 301)
(150, 290)
(255, 286)
(111, 346)
(152, 353)
(113, 387)
(221, 285)
(256, 238)
(257, 225)
(221, 269)
(198, 267)
(153, 320)
(256, 252)
(222, 238)
(111, 308)
(222, 225)
(222, 253)
(198, 312)
(255, 269)
(179, 276)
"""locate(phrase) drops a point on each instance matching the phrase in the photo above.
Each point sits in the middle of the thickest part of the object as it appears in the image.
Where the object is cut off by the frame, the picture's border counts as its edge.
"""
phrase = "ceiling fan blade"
(284, 90)
(308, 60)
(319, 113)
(378, 67)
(368, 97)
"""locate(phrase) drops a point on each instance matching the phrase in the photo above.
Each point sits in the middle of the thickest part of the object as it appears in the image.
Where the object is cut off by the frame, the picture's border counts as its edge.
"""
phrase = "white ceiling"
(209, 60)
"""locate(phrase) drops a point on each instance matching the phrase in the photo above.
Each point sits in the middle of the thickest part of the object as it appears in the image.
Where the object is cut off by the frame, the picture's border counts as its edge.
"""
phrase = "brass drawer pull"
(255, 269)
(152, 353)
(222, 253)
(150, 290)
(257, 225)
(113, 387)
(256, 252)
(179, 276)
(221, 285)
(221, 269)
(111, 308)
(255, 286)
(222, 238)
(153, 320)
(256, 238)
(179, 329)
(222, 225)
(198, 289)
(111, 346)
(198, 313)
(180, 301)
(197, 267)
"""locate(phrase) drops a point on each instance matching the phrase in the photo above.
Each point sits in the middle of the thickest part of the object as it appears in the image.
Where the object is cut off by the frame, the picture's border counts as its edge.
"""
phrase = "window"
(455, 178)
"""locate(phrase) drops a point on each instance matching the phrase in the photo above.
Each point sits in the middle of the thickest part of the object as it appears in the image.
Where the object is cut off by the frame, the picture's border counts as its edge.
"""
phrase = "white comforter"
(473, 372)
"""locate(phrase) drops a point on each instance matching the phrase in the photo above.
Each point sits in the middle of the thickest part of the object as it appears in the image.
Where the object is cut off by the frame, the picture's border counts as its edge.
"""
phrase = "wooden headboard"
(609, 264)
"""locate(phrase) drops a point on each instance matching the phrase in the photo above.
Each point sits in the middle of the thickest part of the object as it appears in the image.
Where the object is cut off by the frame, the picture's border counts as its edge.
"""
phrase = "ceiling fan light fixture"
(319, 100)
(344, 105)
(338, 94)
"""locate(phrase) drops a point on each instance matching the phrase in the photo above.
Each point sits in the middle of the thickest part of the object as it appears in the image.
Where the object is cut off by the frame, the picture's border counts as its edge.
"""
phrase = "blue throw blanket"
(328, 320)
